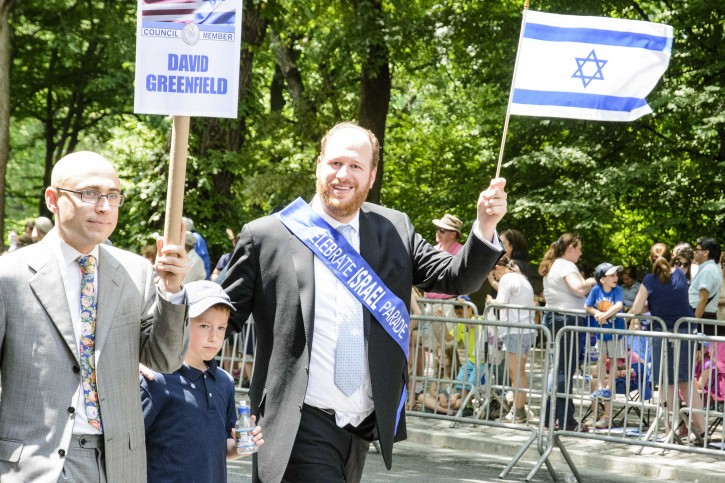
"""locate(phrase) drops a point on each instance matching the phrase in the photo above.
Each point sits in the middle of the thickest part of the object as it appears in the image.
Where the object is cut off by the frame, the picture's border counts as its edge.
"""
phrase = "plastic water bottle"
(244, 428)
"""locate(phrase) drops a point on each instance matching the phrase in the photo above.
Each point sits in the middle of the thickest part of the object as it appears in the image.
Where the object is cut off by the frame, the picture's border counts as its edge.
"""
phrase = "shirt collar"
(317, 207)
(192, 373)
(65, 253)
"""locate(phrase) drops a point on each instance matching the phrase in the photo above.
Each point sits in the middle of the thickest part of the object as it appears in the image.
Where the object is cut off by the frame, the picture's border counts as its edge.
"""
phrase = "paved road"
(414, 462)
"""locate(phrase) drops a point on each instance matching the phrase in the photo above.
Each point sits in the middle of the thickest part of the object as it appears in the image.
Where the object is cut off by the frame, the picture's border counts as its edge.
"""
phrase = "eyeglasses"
(443, 230)
(93, 196)
(680, 263)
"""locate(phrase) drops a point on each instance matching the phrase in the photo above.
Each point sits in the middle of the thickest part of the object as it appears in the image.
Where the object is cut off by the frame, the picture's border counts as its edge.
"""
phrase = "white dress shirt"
(321, 389)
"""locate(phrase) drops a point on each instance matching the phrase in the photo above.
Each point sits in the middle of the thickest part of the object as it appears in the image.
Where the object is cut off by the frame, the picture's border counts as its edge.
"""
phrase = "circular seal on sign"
(190, 33)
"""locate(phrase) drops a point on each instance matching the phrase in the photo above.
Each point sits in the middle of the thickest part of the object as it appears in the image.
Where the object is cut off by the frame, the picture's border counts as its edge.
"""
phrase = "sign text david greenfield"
(187, 58)
(189, 83)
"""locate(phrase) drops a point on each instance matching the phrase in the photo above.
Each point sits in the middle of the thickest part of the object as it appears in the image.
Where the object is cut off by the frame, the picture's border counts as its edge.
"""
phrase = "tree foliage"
(308, 64)
(69, 69)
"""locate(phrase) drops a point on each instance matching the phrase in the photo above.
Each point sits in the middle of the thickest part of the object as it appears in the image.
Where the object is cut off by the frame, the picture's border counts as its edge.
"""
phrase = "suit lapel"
(370, 251)
(110, 286)
(304, 266)
(47, 284)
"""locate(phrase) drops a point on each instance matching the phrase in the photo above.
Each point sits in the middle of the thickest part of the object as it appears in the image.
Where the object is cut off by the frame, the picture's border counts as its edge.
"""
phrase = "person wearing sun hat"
(448, 224)
(448, 234)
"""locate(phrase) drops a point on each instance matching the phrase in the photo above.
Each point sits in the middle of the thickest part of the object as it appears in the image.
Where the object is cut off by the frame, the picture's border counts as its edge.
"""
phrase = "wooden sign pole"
(177, 181)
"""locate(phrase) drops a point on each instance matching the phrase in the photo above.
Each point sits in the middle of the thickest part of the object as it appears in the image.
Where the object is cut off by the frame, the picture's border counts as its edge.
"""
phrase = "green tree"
(6, 7)
(431, 78)
(71, 69)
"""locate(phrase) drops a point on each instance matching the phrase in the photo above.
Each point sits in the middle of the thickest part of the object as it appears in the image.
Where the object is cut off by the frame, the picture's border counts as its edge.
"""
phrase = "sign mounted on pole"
(187, 57)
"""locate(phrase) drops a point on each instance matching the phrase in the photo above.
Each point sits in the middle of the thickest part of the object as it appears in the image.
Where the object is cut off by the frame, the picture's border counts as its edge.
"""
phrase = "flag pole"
(511, 92)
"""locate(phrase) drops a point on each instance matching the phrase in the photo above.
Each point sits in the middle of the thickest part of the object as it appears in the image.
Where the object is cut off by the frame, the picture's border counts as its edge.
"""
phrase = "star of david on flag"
(583, 68)
(595, 68)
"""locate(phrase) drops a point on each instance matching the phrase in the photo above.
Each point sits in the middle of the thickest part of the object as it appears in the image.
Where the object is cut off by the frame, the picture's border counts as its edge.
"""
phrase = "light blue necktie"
(350, 350)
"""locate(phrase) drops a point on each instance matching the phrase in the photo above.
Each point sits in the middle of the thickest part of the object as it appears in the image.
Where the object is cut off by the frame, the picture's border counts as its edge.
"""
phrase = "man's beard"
(337, 208)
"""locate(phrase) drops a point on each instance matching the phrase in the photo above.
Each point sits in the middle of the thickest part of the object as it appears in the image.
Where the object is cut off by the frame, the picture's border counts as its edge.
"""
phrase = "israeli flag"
(595, 68)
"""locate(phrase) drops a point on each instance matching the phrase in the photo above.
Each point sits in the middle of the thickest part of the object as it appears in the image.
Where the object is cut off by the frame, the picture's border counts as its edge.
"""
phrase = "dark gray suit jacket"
(271, 275)
(39, 360)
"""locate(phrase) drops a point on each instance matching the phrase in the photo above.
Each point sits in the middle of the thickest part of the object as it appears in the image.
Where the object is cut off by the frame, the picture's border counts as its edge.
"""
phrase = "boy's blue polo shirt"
(188, 417)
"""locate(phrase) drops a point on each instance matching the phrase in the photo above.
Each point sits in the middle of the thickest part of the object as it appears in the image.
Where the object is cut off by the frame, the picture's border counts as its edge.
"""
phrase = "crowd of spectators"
(684, 282)
(34, 231)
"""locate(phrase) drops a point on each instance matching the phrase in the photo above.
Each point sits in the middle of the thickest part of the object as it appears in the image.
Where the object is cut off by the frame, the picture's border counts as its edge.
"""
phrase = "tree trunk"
(305, 111)
(286, 62)
(228, 135)
(61, 133)
(220, 134)
(375, 82)
(276, 88)
(5, 55)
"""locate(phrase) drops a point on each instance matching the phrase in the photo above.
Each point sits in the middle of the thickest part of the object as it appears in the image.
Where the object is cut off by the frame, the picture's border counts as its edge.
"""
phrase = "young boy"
(190, 415)
(604, 301)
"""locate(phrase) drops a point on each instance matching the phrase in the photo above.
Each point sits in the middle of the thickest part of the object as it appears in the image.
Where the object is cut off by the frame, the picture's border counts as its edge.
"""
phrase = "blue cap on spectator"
(604, 269)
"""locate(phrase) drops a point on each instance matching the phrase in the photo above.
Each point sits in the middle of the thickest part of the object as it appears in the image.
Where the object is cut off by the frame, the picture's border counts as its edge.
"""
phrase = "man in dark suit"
(76, 317)
(317, 430)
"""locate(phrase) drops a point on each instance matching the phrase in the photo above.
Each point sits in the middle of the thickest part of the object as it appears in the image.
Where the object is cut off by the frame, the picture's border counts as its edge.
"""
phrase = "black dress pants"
(323, 452)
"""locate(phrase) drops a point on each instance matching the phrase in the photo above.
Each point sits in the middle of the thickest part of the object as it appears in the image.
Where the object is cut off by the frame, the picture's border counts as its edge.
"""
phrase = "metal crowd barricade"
(630, 430)
(707, 358)
(486, 398)
(441, 346)
(551, 322)
(433, 353)
(237, 354)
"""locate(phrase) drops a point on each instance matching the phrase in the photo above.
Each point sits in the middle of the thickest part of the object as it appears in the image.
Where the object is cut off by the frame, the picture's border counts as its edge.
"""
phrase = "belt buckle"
(331, 412)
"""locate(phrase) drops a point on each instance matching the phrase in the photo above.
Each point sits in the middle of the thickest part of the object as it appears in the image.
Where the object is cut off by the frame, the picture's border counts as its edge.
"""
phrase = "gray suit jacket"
(271, 274)
(39, 361)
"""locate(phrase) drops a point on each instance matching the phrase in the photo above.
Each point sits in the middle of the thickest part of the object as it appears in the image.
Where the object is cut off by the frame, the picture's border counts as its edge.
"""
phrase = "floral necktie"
(88, 339)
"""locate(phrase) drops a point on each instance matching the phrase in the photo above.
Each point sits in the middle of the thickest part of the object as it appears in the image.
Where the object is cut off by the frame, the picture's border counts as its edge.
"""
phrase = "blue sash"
(353, 271)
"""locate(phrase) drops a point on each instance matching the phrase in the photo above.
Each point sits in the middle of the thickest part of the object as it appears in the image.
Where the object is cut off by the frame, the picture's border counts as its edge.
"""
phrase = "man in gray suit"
(76, 317)
(318, 427)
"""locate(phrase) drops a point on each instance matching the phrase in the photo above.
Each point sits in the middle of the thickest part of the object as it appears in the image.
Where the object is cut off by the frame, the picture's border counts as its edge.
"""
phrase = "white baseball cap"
(203, 294)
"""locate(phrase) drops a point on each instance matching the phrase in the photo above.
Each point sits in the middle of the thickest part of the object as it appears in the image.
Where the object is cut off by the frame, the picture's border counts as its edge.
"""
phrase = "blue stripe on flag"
(215, 18)
(574, 99)
(597, 36)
